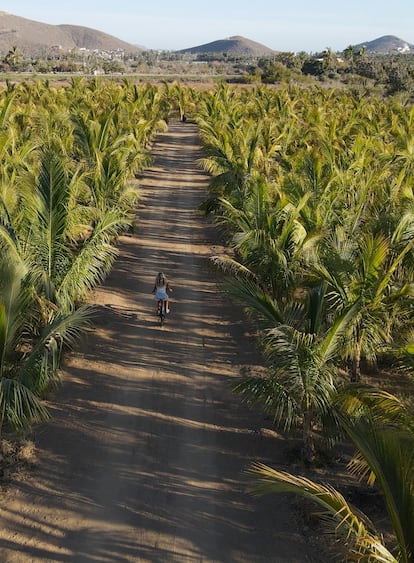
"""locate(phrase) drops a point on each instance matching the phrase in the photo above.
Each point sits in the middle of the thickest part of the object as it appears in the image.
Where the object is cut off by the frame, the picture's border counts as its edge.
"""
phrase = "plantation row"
(313, 192)
(68, 158)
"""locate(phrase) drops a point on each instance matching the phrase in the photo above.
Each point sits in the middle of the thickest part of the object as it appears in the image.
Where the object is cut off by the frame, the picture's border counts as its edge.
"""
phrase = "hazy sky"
(304, 25)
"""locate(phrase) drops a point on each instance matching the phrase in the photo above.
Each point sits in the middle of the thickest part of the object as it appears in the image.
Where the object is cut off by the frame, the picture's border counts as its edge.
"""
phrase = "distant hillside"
(236, 45)
(387, 44)
(33, 37)
(93, 39)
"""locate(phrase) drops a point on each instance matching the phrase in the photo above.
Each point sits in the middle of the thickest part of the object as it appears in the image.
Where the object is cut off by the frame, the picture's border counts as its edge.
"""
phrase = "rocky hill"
(89, 38)
(34, 37)
(236, 45)
(387, 44)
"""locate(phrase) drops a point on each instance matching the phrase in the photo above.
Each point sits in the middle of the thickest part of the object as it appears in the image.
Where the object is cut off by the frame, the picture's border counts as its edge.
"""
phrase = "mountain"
(235, 45)
(387, 44)
(89, 38)
(33, 37)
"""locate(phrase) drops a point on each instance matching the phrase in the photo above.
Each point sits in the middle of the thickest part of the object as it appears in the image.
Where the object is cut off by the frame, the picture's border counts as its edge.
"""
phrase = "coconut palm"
(231, 160)
(382, 429)
(302, 349)
(28, 359)
(182, 97)
(368, 274)
(356, 537)
(14, 57)
(110, 160)
(15, 147)
(56, 239)
(269, 238)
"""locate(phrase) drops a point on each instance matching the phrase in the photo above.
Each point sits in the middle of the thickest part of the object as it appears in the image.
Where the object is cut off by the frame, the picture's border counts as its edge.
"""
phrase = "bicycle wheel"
(161, 313)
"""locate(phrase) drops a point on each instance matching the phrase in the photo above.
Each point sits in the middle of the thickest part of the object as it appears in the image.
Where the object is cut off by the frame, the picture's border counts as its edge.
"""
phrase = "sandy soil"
(144, 457)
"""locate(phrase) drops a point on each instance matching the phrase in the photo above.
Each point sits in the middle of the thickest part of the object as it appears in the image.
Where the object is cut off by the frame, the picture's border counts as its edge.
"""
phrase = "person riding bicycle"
(161, 289)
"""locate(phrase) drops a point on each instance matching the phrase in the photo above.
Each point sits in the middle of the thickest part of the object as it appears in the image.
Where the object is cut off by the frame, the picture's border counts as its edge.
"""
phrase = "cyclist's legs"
(160, 303)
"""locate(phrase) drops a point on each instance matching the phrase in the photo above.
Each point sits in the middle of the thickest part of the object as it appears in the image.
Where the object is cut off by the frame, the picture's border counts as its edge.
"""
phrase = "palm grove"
(68, 156)
(313, 192)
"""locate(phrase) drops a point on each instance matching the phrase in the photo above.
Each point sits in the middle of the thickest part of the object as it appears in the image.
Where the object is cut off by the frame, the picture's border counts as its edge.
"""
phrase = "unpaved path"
(143, 458)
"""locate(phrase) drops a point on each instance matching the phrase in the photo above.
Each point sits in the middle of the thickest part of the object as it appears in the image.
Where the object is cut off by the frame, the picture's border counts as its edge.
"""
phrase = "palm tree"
(110, 160)
(14, 57)
(65, 245)
(28, 359)
(382, 429)
(268, 237)
(302, 379)
(231, 159)
(349, 54)
(182, 97)
(368, 275)
(329, 60)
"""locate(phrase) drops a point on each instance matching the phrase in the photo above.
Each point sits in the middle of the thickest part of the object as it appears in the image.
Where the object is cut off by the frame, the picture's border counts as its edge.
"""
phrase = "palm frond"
(19, 406)
(348, 523)
(386, 454)
(93, 262)
(272, 397)
(40, 366)
(257, 301)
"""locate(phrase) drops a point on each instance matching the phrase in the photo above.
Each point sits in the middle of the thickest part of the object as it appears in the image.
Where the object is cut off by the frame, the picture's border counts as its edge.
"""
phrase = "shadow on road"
(144, 457)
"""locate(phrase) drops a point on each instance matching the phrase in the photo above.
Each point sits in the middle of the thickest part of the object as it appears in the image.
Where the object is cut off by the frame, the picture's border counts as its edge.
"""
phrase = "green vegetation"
(68, 158)
(312, 188)
(381, 428)
(355, 68)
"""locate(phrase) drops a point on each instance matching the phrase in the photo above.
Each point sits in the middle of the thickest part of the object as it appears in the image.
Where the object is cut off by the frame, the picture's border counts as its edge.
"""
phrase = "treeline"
(313, 191)
(354, 67)
(387, 74)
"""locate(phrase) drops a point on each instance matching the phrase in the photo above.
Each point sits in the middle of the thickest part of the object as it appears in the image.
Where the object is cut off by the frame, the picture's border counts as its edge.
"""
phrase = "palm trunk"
(356, 364)
(308, 448)
(1, 445)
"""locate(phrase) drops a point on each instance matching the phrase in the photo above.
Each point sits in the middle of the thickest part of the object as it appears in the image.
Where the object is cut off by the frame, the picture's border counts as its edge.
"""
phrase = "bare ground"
(143, 459)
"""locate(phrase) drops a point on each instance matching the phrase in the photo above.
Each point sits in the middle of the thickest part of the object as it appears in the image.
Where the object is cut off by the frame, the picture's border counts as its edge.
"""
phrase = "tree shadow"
(144, 459)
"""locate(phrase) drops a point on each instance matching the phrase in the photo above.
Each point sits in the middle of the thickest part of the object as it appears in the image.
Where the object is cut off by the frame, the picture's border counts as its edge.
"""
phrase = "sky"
(305, 25)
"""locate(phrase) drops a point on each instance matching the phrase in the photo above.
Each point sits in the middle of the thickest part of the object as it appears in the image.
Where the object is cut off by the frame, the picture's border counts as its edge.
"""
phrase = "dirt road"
(143, 458)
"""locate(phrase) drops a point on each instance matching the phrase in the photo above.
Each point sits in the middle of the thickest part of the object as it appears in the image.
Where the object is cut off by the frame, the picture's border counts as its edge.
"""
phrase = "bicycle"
(162, 310)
